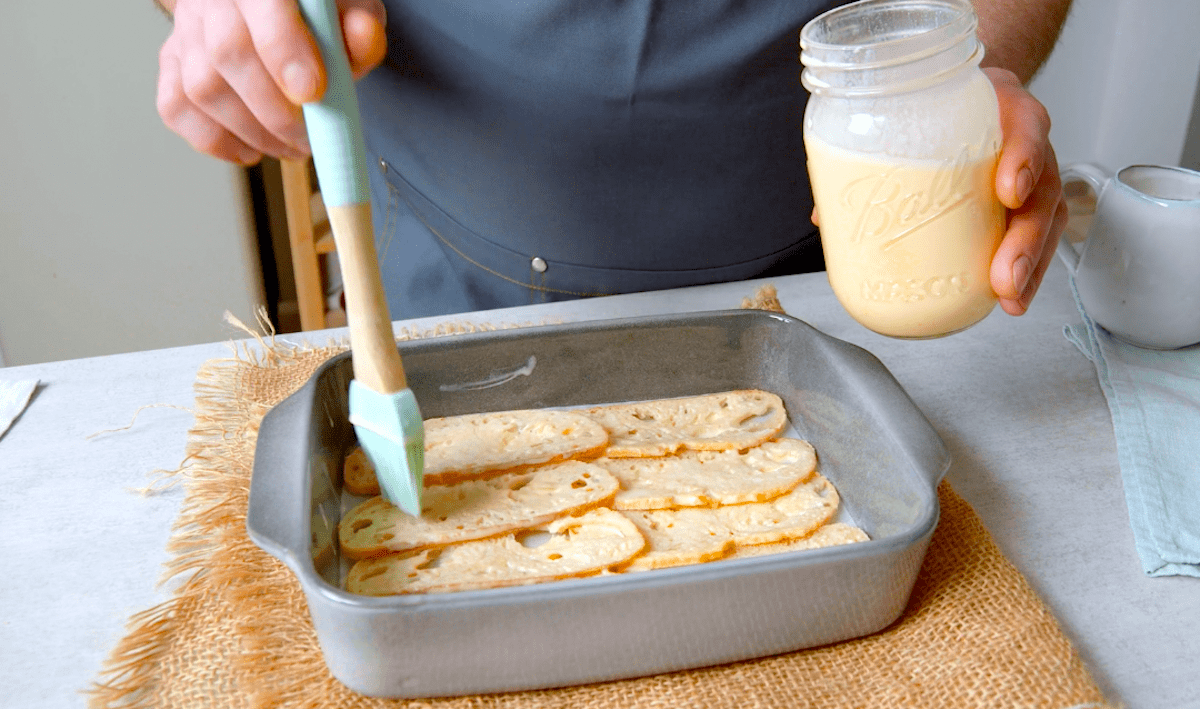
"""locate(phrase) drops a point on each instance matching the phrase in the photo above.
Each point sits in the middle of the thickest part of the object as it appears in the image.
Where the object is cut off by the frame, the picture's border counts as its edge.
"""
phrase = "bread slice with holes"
(577, 546)
(712, 478)
(734, 420)
(828, 535)
(689, 536)
(478, 445)
(791, 516)
(474, 509)
(358, 475)
(677, 540)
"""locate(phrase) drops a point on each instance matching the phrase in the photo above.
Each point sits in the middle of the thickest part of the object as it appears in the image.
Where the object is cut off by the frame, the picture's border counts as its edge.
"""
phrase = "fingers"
(193, 124)
(1029, 244)
(1026, 128)
(284, 47)
(215, 91)
(1049, 247)
(363, 23)
(250, 102)
(225, 78)
(1027, 182)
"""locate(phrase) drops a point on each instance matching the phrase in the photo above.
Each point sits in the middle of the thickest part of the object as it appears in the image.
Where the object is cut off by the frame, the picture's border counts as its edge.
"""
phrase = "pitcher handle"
(1096, 179)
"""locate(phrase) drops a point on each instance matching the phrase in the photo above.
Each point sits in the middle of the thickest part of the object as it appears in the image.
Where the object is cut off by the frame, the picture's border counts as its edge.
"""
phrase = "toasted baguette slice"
(474, 509)
(832, 534)
(692, 535)
(578, 546)
(712, 478)
(463, 447)
(358, 475)
(676, 539)
(734, 420)
(478, 445)
(791, 516)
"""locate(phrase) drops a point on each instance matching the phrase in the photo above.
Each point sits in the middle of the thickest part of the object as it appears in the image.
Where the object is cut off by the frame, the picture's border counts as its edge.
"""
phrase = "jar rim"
(950, 21)
(871, 47)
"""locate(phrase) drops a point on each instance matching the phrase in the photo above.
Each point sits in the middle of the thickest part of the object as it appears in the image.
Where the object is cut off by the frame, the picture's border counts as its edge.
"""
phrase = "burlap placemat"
(236, 632)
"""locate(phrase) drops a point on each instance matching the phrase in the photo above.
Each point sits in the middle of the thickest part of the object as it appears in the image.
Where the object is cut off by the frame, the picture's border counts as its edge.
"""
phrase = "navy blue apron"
(543, 150)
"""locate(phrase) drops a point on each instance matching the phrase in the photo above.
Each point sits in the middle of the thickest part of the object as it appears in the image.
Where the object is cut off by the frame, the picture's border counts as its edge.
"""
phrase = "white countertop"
(1017, 404)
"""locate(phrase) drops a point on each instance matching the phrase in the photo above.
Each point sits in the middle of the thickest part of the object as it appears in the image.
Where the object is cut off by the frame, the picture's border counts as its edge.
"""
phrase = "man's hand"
(1027, 182)
(233, 73)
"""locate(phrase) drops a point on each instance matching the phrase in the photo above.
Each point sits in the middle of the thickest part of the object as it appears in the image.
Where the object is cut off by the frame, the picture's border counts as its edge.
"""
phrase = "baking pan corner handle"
(277, 517)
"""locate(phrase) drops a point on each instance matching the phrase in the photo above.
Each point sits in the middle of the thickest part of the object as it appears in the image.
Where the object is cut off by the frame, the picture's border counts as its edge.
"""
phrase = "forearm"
(167, 6)
(1019, 34)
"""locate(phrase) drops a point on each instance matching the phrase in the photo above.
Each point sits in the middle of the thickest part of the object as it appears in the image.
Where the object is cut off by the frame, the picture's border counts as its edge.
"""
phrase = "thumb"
(363, 23)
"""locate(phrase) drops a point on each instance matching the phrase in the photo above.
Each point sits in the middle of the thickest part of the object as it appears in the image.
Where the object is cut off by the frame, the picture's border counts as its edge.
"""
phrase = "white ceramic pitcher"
(1138, 274)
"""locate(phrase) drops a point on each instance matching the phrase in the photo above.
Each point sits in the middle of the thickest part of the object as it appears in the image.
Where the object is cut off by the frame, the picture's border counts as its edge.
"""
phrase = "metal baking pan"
(873, 443)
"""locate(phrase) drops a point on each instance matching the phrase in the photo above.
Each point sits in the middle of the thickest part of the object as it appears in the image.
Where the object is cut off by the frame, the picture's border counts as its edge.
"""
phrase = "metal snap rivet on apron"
(383, 165)
(538, 264)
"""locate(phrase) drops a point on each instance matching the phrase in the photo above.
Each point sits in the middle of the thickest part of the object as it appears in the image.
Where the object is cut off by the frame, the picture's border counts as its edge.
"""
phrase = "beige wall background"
(1123, 84)
(115, 236)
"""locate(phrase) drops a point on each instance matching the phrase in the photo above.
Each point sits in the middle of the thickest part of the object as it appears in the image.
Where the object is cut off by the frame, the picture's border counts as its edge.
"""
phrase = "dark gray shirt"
(551, 149)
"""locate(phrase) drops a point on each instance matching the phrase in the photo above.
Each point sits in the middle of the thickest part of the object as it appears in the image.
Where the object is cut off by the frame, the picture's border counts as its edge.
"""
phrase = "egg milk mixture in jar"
(903, 136)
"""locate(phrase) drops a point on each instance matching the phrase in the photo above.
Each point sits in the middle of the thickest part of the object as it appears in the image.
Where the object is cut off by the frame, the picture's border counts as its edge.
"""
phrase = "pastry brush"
(383, 409)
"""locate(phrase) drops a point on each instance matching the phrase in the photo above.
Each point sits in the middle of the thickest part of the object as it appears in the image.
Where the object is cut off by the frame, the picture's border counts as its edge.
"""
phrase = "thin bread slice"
(358, 475)
(474, 509)
(463, 447)
(791, 516)
(677, 539)
(577, 546)
(478, 445)
(712, 478)
(693, 535)
(828, 535)
(734, 420)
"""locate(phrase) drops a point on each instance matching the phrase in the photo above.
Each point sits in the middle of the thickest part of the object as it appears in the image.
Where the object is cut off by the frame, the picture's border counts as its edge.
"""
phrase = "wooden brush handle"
(376, 359)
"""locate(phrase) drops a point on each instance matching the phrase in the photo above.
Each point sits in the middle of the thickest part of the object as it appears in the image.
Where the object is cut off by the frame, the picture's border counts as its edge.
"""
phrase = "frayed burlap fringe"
(765, 298)
(236, 632)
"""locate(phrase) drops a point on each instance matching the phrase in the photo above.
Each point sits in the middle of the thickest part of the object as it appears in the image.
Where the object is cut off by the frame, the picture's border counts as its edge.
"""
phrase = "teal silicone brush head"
(392, 434)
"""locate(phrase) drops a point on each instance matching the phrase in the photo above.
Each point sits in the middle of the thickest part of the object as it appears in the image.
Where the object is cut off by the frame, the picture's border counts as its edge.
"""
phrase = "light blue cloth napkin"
(1154, 398)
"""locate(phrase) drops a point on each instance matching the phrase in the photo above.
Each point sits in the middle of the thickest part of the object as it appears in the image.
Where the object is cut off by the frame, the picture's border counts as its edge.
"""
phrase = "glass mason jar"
(902, 132)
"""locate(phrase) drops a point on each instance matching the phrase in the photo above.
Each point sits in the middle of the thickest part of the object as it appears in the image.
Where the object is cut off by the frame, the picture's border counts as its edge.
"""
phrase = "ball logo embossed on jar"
(890, 209)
